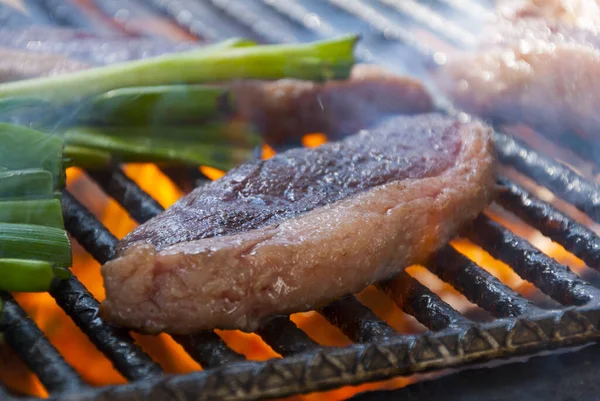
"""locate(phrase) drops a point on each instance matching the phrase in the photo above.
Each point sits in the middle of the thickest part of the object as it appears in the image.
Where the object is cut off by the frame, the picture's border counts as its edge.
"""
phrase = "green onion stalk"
(171, 109)
(35, 250)
(330, 59)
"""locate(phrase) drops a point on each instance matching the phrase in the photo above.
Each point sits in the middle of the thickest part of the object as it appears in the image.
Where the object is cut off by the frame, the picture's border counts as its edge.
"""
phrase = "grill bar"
(297, 14)
(432, 20)
(65, 14)
(357, 321)
(28, 341)
(575, 237)
(10, 18)
(417, 300)
(262, 26)
(285, 337)
(89, 232)
(378, 21)
(479, 286)
(197, 19)
(558, 178)
(116, 344)
(140, 206)
(83, 308)
(554, 279)
(208, 349)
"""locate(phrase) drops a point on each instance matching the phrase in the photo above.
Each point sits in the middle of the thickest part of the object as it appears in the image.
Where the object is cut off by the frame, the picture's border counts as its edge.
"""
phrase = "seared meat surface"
(539, 65)
(303, 228)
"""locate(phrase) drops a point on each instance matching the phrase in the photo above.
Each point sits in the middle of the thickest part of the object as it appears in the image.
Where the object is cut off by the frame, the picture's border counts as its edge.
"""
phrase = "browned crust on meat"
(232, 282)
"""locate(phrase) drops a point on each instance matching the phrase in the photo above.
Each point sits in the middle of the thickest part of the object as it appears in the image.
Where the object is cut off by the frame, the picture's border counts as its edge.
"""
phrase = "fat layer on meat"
(299, 230)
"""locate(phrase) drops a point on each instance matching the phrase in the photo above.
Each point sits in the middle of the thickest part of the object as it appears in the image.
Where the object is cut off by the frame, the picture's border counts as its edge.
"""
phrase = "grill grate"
(379, 351)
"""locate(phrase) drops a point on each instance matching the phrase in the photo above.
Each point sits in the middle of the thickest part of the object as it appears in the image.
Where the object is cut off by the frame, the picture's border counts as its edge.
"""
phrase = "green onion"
(322, 60)
(26, 241)
(219, 133)
(43, 212)
(133, 149)
(24, 148)
(18, 275)
(157, 105)
(26, 183)
(86, 157)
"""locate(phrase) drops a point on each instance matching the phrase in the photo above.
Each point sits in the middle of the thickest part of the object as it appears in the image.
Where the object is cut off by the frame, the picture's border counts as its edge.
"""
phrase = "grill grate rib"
(357, 321)
(417, 300)
(140, 206)
(558, 178)
(28, 341)
(554, 279)
(479, 286)
(208, 349)
(575, 237)
(285, 337)
(117, 345)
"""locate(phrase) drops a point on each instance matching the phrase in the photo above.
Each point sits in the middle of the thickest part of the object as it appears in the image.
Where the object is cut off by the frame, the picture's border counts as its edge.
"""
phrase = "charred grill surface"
(28, 341)
(284, 336)
(208, 350)
(417, 300)
(478, 285)
(557, 177)
(357, 321)
(575, 237)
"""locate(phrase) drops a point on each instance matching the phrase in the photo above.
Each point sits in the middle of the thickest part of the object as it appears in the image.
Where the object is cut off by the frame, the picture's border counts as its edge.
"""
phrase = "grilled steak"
(535, 68)
(303, 228)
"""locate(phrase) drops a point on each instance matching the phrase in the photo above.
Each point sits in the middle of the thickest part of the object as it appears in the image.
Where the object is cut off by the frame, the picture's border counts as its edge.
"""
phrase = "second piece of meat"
(539, 64)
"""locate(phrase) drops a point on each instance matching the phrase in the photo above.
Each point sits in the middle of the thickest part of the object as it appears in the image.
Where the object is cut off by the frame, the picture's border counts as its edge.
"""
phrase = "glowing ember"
(314, 140)
(211, 172)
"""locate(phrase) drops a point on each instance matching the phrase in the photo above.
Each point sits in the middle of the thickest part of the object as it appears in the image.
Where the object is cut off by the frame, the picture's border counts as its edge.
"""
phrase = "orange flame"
(313, 140)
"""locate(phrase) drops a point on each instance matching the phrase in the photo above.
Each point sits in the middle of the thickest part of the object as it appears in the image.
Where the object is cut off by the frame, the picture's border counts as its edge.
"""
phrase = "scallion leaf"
(24, 148)
(42, 212)
(20, 275)
(330, 59)
(32, 183)
(26, 241)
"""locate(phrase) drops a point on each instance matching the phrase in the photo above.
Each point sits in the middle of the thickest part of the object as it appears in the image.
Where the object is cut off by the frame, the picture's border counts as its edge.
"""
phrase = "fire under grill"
(378, 352)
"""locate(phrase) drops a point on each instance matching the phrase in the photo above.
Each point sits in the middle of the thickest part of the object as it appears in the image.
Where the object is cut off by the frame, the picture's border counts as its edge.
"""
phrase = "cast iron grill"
(379, 352)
